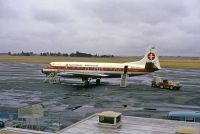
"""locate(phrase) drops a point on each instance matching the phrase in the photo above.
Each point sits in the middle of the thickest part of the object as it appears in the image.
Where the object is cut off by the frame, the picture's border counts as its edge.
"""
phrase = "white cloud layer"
(119, 27)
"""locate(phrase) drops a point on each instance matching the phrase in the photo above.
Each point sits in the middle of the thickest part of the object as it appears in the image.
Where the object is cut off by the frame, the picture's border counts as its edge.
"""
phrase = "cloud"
(6, 11)
(148, 11)
(120, 27)
(49, 16)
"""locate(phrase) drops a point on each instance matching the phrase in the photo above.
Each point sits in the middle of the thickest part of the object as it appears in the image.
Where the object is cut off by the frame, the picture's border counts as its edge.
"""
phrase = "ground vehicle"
(164, 83)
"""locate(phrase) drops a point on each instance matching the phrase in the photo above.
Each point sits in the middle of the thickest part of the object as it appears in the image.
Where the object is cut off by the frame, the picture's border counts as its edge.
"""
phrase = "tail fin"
(150, 59)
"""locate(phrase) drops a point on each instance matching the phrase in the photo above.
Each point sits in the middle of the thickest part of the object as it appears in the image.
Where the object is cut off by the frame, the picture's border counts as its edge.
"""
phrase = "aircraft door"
(125, 69)
(66, 66)
(99, 68)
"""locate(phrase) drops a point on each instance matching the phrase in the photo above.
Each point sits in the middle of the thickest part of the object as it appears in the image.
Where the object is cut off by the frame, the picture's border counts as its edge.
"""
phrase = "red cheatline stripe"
(98, 68)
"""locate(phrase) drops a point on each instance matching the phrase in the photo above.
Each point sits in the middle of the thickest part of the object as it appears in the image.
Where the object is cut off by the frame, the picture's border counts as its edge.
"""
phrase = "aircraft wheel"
(171, 88)
(98, 82)
(161, 86)
(86, 83)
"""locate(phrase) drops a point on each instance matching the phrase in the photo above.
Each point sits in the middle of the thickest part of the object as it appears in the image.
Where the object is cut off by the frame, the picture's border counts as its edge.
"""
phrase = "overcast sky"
(119, 27)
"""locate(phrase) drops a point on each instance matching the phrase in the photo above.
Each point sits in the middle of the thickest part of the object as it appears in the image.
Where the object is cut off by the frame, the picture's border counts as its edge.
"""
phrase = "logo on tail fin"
(150, 60)
(151, 56)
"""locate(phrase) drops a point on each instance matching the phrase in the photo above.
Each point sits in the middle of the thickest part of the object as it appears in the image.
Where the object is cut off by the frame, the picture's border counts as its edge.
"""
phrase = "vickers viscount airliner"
(95, 70)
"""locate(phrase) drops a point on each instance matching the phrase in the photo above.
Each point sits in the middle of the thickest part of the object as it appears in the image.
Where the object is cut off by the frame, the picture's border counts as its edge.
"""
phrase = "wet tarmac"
(21, 84)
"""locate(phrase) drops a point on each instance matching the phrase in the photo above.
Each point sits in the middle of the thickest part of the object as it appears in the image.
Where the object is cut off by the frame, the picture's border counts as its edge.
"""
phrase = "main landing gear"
(98, 81)
(87, 81)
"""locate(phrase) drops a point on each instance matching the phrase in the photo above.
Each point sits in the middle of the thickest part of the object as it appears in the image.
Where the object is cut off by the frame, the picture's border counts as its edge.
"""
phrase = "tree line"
(76, 54)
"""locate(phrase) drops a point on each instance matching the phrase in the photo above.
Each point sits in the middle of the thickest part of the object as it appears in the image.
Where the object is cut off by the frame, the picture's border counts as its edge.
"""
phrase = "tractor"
(165, 84)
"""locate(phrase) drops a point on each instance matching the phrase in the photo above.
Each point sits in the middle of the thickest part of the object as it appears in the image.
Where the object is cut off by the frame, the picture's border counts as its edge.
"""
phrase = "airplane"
(95, 70)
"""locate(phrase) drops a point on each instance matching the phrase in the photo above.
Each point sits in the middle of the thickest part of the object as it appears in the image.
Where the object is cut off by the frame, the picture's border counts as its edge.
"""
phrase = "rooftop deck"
(130, 125)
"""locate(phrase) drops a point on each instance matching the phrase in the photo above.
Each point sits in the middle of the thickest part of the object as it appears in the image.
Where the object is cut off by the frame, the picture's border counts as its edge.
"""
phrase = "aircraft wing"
(82, 74)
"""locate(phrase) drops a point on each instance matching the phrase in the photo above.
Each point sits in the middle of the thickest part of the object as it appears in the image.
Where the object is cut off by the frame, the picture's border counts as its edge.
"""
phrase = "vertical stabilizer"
(150, 59)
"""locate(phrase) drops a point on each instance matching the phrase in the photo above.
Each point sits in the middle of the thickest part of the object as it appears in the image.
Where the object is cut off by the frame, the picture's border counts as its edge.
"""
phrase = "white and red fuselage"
(111, 70)
(95, 70)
